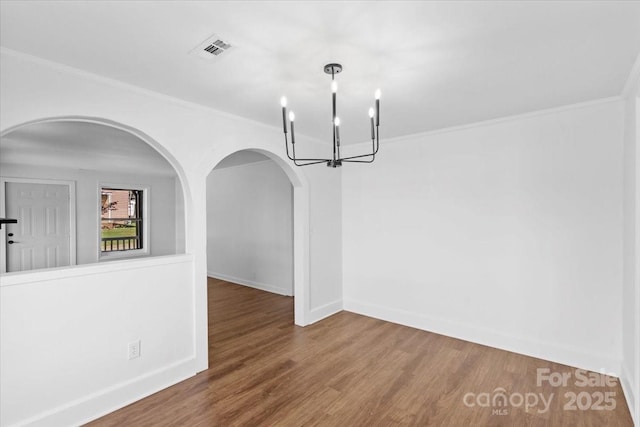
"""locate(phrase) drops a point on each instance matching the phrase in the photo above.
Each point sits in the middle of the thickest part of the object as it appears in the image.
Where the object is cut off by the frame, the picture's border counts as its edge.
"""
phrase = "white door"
(41, 238)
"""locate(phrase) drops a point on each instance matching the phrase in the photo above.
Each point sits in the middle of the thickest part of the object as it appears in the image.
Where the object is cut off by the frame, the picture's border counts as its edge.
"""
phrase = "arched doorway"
(250, 223)
(300, 223)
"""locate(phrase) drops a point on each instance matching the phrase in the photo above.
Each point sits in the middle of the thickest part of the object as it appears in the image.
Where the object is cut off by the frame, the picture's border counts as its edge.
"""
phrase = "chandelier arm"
(307, 160)
(359, 161)
(375, 146)
(286, 145)
(295, 160)
(312, 160)
(357, 157)
(294, 154)
(293, 148)
(373, 157)
(360, 156)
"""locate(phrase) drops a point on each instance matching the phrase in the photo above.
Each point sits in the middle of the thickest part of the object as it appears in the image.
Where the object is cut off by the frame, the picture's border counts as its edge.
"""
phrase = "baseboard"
(542, 350)
(325, 311)
(250, 283)
(97, 404)
(630, 393)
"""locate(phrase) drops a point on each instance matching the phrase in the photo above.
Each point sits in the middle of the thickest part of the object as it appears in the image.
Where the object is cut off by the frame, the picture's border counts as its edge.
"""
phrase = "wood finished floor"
(351, 370)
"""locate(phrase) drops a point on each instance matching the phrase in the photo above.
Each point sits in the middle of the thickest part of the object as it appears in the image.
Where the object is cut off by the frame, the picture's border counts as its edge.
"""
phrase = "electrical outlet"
(134, 350)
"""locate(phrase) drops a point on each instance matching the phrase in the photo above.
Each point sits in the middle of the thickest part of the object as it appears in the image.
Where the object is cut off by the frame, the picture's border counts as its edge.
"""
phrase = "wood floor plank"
(351, 370)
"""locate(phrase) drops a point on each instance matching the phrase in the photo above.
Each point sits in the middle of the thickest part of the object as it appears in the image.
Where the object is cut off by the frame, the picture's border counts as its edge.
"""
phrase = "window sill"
(120, 255)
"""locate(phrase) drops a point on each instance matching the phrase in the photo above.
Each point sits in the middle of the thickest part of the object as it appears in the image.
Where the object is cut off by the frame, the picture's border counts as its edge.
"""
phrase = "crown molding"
(505, 119)
(148, 92)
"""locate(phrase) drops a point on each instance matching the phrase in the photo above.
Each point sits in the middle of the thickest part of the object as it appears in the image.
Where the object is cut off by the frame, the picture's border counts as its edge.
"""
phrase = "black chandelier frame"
(336, 160)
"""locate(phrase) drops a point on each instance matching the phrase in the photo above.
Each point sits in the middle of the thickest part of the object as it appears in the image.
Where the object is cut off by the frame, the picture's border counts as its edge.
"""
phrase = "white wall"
(65, 338)
(325, 229)
(193, 139)
(507, 233)
(631, 284)
(250, 226)
(164, 232)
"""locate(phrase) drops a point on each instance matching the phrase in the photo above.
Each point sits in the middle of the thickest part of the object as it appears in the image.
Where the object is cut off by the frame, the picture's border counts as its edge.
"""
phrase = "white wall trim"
(472, 333)
(491, 122)
(629, 393)
(250, 283)
(49, 274)
(325, 311)
(301, 253)
(100, 403)
(122, 85)
(72, 214)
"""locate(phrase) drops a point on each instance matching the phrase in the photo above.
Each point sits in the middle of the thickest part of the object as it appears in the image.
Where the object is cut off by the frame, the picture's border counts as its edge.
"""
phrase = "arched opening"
(300, 226)
(250, 223)
(249, 252)
(121, 195)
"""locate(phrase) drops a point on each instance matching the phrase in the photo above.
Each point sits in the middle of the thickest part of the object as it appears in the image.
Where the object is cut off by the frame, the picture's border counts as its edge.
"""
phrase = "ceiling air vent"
(210, 48)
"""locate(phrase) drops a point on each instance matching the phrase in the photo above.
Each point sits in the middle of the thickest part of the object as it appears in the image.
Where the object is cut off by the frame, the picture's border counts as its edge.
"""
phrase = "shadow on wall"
(85, 192)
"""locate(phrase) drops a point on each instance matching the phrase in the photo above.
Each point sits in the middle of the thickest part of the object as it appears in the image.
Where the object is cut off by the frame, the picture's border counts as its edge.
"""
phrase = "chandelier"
(336, 160)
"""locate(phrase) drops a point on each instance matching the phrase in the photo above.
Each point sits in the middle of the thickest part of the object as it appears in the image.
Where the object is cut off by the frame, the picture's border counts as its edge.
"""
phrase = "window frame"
(129, 253)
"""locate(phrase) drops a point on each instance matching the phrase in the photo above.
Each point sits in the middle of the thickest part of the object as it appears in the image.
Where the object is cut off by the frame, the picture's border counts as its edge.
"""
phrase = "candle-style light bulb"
(377, 107)
(371, 113)
(283, 102)
(292, 117)
(334, 86)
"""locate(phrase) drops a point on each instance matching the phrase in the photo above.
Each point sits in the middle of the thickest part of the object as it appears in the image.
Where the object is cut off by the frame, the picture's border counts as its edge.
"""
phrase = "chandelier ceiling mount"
(332, 69)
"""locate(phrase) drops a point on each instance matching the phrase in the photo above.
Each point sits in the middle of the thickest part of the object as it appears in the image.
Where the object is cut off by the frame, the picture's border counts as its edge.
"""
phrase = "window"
(121, 220)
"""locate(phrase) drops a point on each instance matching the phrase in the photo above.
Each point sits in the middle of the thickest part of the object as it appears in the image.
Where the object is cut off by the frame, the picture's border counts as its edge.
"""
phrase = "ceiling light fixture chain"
(336, 160)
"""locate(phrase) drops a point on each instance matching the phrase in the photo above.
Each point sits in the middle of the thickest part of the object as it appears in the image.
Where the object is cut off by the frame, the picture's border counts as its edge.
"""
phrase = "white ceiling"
(438, 64)
(81, 146)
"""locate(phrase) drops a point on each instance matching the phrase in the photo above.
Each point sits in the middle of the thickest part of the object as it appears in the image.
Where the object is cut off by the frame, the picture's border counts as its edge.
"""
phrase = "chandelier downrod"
(336, 160)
